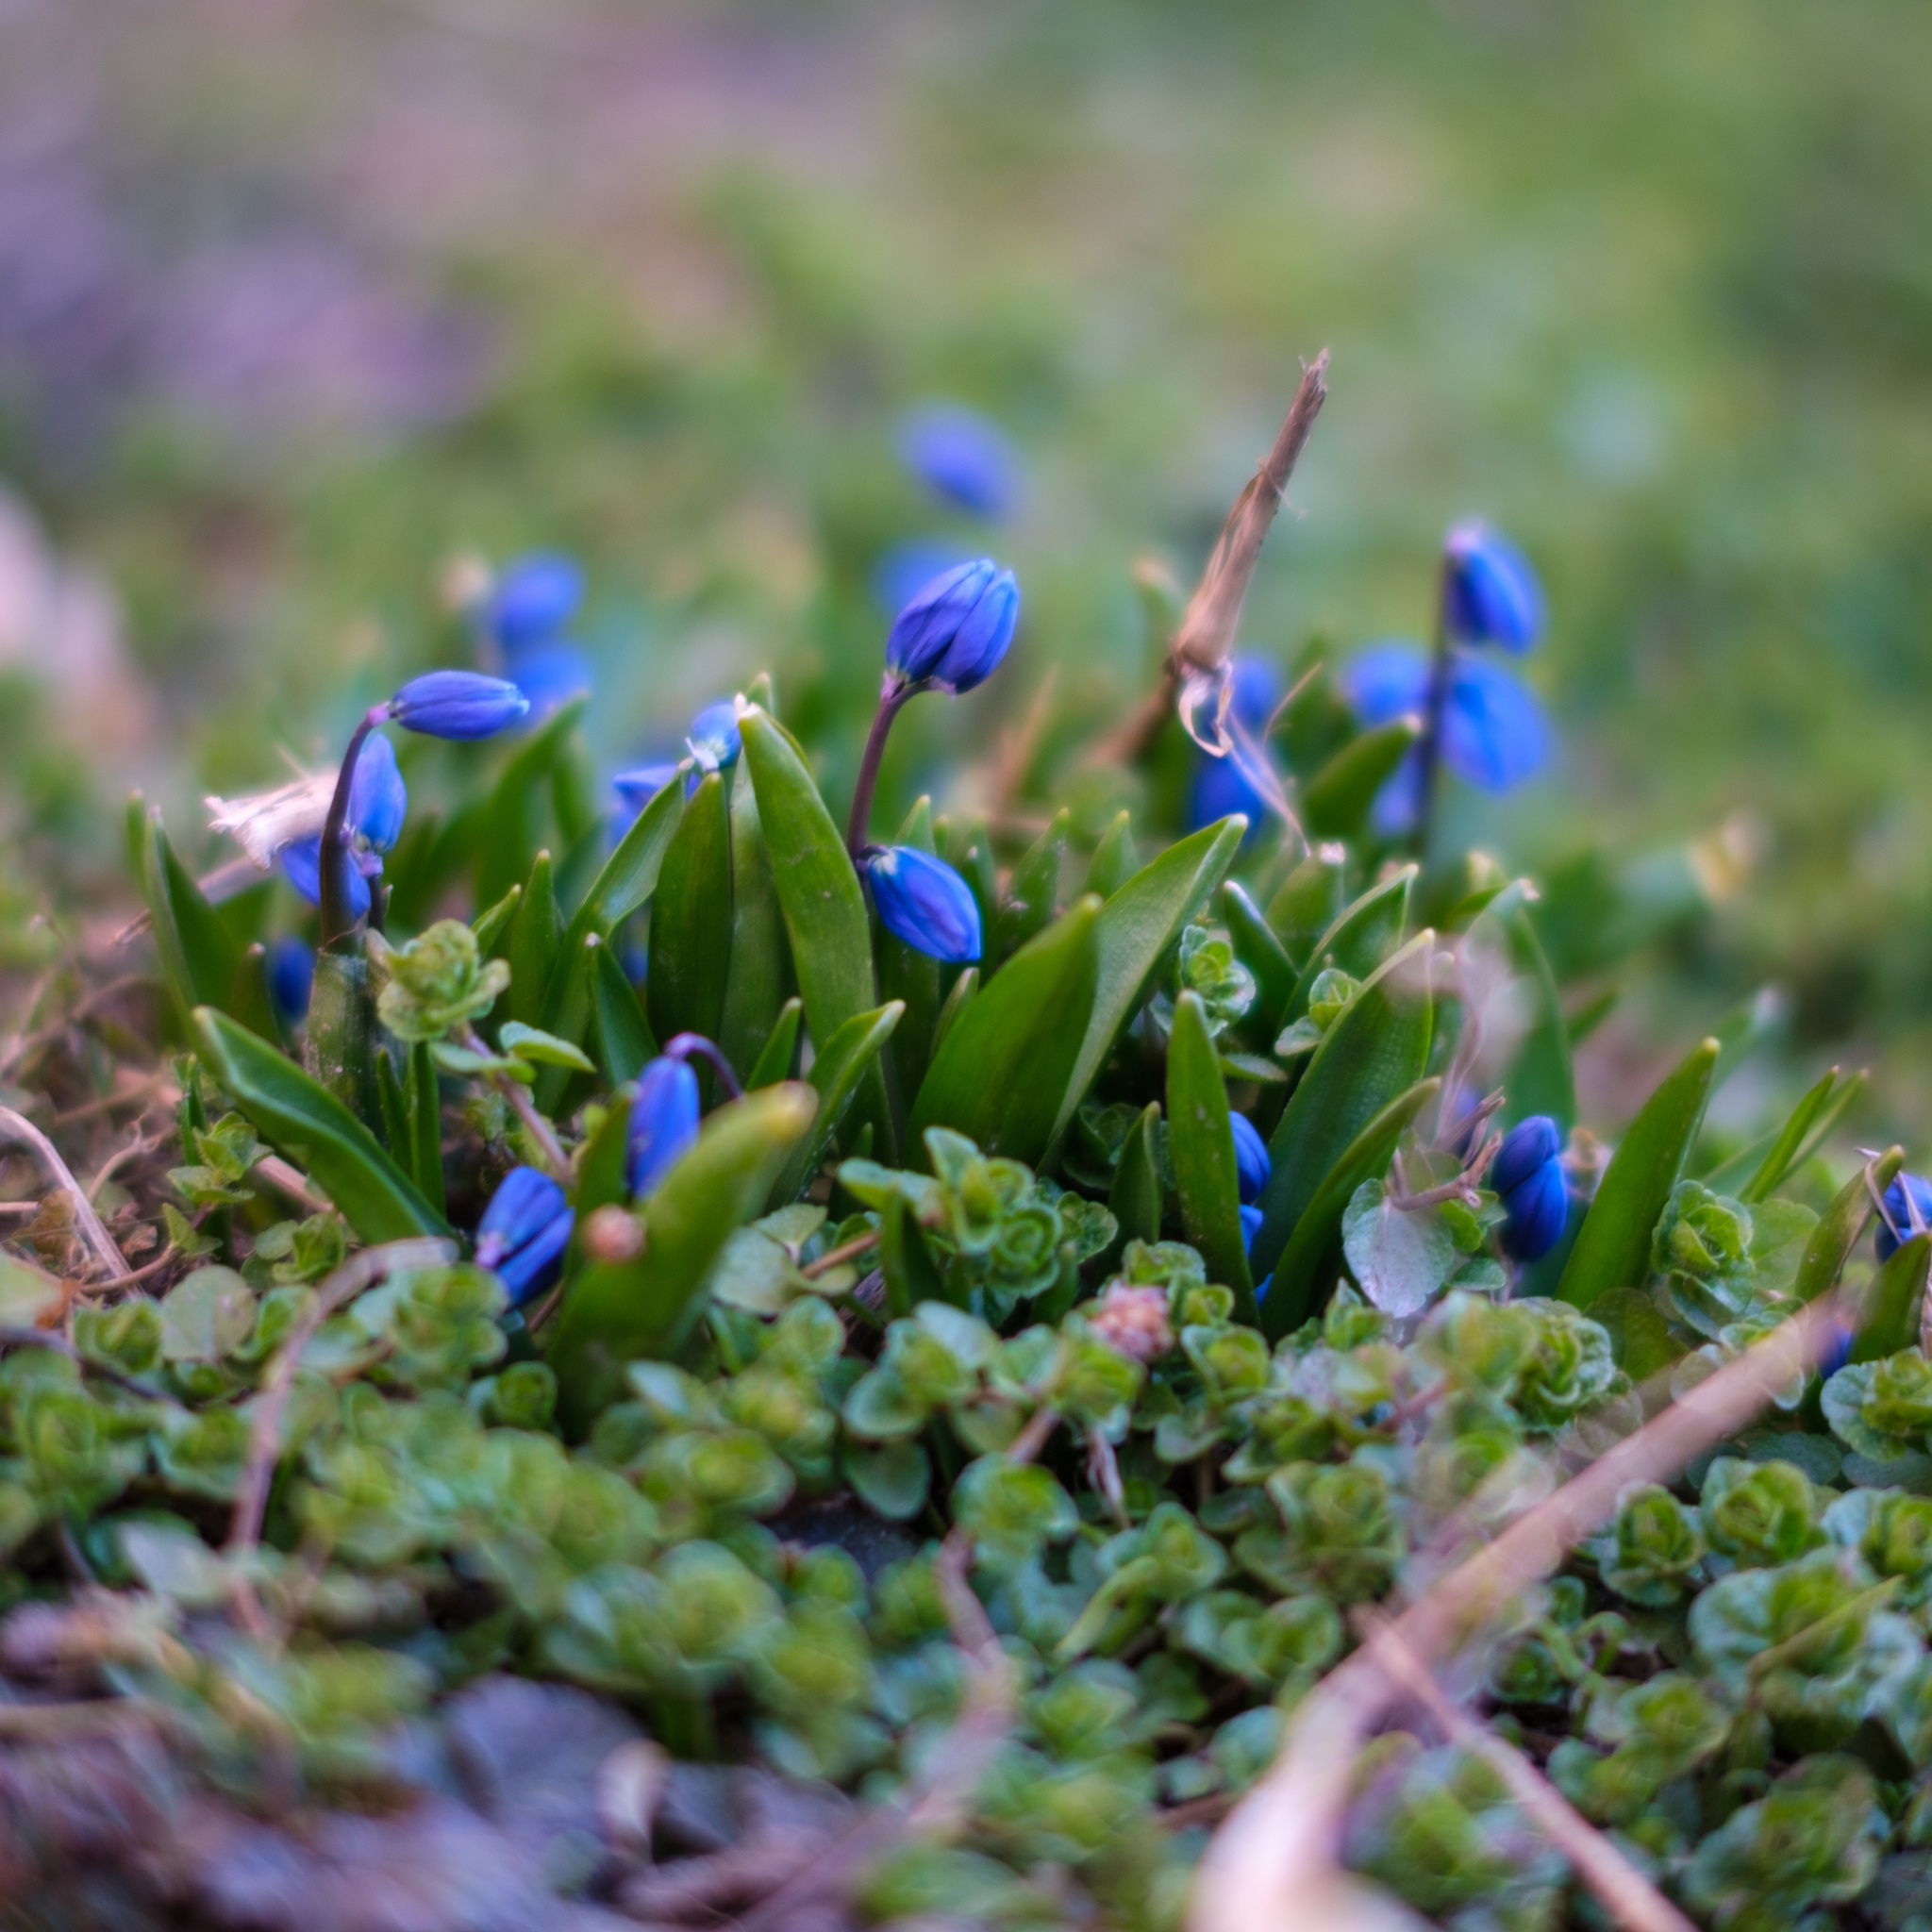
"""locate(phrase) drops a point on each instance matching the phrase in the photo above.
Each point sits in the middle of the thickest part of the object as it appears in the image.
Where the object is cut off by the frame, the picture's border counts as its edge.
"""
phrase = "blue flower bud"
(525, 1231)
(1252, 1165)
(923, 901)
(901, 571)
(955, 630)
(1251, 1226)
(457, 704)
(714, 740)
(1388, 680)
(291, 977)
(1528, 1174)
(1491, 594)
(550, 676)
(959, 457)
(663, 1122)
(302, 864)
(533, 599)
(1906, 1192)
(639, 786)
(378, 800)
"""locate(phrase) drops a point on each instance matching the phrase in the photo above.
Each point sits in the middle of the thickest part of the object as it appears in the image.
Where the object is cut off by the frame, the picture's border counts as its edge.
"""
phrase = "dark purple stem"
(694, 1046)
(337, 921)
(890, 702)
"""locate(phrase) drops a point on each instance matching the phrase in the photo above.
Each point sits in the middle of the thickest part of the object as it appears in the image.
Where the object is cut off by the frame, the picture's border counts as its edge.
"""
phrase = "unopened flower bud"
(1491, 594)
(955, 630)
(457, 704)
(612, 1235)
(1133, 1321)
(663, 1121)
(1252, 1165)
(525, 1231)
(1528, 1174)
(924, 902)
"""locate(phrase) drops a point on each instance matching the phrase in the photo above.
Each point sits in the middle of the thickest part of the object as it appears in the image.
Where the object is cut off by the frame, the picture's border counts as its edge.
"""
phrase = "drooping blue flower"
(549, 675)
(291, 977)
(1251, 1226)
(1387, 681)
(1225, 785)
(533, 599)
(1252, 1165)
(1528, 1175)
(637, 788)
(301, 862)
(902, 569)
(923, 901)
(378, 799)
(1909, 1190)
(1491, 594)
(524, 1232)
(663, 1122)
(960, 456)
(953, 632)
(714, 741)
(457, 704)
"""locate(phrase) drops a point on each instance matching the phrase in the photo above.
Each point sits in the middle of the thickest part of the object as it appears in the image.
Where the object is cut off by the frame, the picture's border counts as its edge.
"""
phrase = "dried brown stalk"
(95, 1237)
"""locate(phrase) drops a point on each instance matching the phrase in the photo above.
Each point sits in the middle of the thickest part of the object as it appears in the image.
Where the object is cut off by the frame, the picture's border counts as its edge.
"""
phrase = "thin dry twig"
(119, 1158)
(94, 1237)
(539, 1129)
(859, 1244)
(291, 1183)
(1279, 1850)
(1632, 1902)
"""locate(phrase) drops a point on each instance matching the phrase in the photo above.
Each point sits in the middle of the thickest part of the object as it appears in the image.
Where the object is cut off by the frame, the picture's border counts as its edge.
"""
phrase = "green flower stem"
(539, 1130)
(337, 921)
(891, 701)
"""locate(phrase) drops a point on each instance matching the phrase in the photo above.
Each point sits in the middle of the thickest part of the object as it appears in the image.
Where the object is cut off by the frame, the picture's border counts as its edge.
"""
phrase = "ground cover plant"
(686, 1364)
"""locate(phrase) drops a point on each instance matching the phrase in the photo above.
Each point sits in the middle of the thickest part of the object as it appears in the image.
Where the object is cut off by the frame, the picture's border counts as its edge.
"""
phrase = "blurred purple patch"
(960, 456)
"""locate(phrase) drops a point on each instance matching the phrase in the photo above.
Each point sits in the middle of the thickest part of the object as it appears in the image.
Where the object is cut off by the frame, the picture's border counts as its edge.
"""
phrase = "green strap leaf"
(835, 1077)
(1841, 1224)
(1115, 859)
(1008, 1052)
(1363, 935)
(250, 1001)
(1613, 1245)
(1262, 954)
(1336, 801)
(492, 925)
(1894, 1304)
(1307, 902)
(776, 1058)
(911, 1276)
(623, 1037)
(507, 843)
(339, 1038)
(1816, 1115)
(1539, 1079)
(1375, 1050)
(198, 954)
(630, 873)
(614, 1312)
(604, 1159)
(911, 975)
(1309, 1253)
(308, 1124)
(425, 1127)
(1032, 893)
(1201, 1144)
(965, 989)
(1134, 1199)
(1135, 928)
(567, 1015)
(755, 982)
(691, 919)
(532, 944)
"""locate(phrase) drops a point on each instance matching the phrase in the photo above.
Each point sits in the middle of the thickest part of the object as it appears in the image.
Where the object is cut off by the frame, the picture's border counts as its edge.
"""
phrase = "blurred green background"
(299, 302)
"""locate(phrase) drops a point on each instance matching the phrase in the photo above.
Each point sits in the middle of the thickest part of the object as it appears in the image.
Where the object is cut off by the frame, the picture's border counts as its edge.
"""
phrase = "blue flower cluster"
(1528, 1174)
(526, 613)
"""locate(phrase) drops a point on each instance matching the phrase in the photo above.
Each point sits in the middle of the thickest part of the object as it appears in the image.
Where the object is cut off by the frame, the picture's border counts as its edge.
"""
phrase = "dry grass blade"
(1280, 1848)
(87, 1223)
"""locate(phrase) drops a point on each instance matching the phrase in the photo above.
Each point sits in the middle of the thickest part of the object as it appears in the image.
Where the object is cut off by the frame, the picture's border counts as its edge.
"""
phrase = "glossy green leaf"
(603, 1162)
(1841, 1224)
(630, 873)
(691, 920)
(1373, 1054)
(1613, 1246)
(755, 980)
(1032, 894)
(492, 924)
(615, 1312)
(1308, 903)
(1115, 859)
(425, 1127)
(965, 989)
(1299, 1271)
(1262, 954)
(911, 1276)
(837, 1071)
(567, 1010)
(531, 1044)
(1336, 801)
(1135, 929)
(915, 977)
(1359, 938)
(973, 861)
(304, 1122)
(779, 1052)
(622, 1035)
(532, 944)
(395, 1113)
(1202, 1144)
(1750, 1026)
(1006, 1057)
(249, 1000)
(1539, 1078)
(509, 835)
(1811, 1121)
(1134, 1199)
(198, 954)
(1893, 1305)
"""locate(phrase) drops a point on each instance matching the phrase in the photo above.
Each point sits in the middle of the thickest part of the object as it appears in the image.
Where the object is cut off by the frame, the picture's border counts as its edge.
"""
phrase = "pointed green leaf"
(1363, 935)
(1539, 1079)
(250, 1001)
(776, 1058)
(509, 833)
(973, 861)
(614, 1312)
(198, 954)
(1336, 801)
(911, 1276)
(630, 873)
(532, 1044)
(1115, 859)
(491, 927)
(1032, 894)
(1613, 1246)
(1261, 952)
(1135, 1198)
(1007, 1057)
(1374, 1054)
(1841, 1224)
(1814, 1117)
(567, 1014)
(838, 1070)
(1307, 1262)
(304, 1122)
(425, 1127)
(755, 982)
(338, 1037)
(1893, 1307)
(1136, 928)
(1307, 902)
(1201, 1144)
(964, 990)
(603, 1162)
(395, 1113)
(691, 920)
(623, 1037)
(532, 944)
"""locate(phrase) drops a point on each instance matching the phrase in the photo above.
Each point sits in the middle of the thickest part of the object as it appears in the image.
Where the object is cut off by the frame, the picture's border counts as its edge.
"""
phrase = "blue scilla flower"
(549, 675)
(639, 786)
(1909, 1192)
(1252, 1165)
(923, 901)
(1528, 1175)
(457, 704)
(903, 570)
(291, 977)
(955, 629)
(533, 600)
(663, 1122)
(301, 864)
(714, 740)
(1491, 594)
(960, 456)
(1222, 786)
(1251, 1226)
(378, 799)
(525, 1231)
